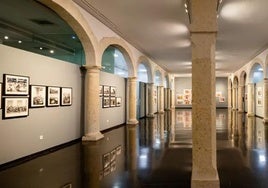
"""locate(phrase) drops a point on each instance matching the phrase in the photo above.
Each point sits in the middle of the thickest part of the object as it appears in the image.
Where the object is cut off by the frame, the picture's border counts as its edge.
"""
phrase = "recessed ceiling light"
(19, 41)
(73, 37)
(51, 51)
(41, 48)
(6, 37)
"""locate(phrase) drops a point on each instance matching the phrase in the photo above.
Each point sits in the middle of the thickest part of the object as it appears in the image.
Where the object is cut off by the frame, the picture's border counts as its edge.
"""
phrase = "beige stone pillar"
(162, 126)
(172, 127)
(150, 100)
(203, 37)
(251, 111)
(92, 116)
(241, 90)
(168, 99)
(229, 97)
(165, 98)
(132, 110)
(172, 100)
(265, 100)
(234, 97)
(161, 104)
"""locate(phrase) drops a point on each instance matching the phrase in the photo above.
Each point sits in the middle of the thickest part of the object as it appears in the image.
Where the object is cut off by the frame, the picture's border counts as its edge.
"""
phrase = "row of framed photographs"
(107, 91)
(111, 102)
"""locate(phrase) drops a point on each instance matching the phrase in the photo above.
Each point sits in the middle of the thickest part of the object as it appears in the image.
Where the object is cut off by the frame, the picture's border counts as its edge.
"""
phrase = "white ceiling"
(160, 30)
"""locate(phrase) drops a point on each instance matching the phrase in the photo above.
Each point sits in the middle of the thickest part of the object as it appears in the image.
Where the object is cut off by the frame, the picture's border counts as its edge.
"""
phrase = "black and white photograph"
(107, 171)
(68, 185)
(100, 91)
(118, 101)
(16, 85)
(106, 160)
(38, 96)
(118, 150)
(113, 166)
(106, 102)
(113, 101)
(66, 96)
(112, 91)
(15, 107)
(106, 91)
(53, 96)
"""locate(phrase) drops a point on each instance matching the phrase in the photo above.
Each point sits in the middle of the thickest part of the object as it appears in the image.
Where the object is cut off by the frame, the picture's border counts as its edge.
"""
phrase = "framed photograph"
(107, 171)
(15, 107)
(113, 155)
(221, 99)
(100, 91)
(112, 101)
(38, 96)
(118, 101)
(187, 91)
(259, 91)
(106, 102)
(68, 185)
(53, 96)
(106, 160)
(0, 95)
(218, 94)
(112, 91)
(259, 102)
(66, 96)
(16, 85)
(106, 91)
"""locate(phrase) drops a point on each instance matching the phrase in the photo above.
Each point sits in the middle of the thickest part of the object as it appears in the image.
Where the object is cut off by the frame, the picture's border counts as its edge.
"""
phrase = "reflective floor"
(157, 153)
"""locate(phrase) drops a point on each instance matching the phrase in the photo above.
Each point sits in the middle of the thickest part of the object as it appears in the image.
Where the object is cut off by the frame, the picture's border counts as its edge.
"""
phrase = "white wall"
(113, 116)
(259, 107)
(20, 137)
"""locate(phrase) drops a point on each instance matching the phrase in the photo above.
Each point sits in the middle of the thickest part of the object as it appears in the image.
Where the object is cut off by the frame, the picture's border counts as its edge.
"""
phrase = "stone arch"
(157, 71)
(123, 47)
(145, 61)
(256, 62)
(243, 78)
(69, 12)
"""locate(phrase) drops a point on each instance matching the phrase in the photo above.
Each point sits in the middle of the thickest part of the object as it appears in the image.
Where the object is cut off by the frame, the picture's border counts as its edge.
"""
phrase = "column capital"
(94, 68)
(132, 79)
(265, 80)
(251, 84)
(150, 84)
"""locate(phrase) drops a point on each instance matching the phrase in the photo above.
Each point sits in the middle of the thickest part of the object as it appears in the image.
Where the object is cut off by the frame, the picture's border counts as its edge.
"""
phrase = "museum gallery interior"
(130, 94)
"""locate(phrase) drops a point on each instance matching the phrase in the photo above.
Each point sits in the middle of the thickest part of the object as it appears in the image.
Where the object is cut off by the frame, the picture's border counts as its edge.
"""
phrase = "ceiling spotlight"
(6, 37)
(41, 48)
(73, 37)
(51, 51)
(19, 41)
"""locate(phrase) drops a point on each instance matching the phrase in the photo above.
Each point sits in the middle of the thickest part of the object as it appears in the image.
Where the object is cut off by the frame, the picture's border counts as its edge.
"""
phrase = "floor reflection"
(155, 153)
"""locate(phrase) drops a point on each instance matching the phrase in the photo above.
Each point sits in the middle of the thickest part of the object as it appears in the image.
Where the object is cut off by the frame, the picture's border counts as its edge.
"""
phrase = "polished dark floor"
(156, 153)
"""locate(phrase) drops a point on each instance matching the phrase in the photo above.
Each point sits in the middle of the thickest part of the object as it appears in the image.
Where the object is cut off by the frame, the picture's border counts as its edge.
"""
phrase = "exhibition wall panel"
(259, 99)
(44, 127)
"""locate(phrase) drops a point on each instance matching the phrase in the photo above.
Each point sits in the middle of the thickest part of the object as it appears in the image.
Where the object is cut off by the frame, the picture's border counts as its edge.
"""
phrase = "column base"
(132, 122)
(212, 182)
(240, 111)
(172, 107)
(150, 115)
(250, 115)
(168, 109)
(92, 137)
(234, 109)
(161, 112)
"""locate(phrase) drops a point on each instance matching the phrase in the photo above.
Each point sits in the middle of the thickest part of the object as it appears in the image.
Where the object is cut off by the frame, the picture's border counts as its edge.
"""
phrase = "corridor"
(156, 153)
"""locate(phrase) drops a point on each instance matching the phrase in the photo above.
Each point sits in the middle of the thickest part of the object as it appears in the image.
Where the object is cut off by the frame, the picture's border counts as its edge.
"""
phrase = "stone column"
(168, 99)
(161, 109)
(203, 37)
(251, 100)
(229, 96)
(92, 116)
(241, 90)
(150, 100)
(234, 97)
(132, 110)
(172, 99)
(265, 100)
(162, 126)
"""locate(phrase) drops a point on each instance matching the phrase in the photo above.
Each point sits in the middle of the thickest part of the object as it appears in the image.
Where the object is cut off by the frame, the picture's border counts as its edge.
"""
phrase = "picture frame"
(100, 91)
(118, 150)
(118, 101)
(112, 101)
(113, 155)
(113, 166)
(15, 107)
(106, 171)
(66, 98)
(106, 160)
(259, 91)
(0, 95)
(53, 96)
(112, 91)
(218, 94)
(106, 91)
(68, 185)
(221, 99)
(106, 102)
(16, 85)
(37, 96)
(259, 101)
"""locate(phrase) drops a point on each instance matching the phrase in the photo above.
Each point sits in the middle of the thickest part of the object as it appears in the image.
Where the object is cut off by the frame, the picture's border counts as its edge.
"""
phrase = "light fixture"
(185, 5)
(73, 37)
(19, 41)
(6, 37)
(260, 69)
(115, 55)
(41, 48)
(51, 51)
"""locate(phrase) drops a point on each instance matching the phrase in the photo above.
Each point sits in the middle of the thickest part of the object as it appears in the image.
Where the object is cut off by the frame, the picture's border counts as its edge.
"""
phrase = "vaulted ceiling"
(157, 28)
